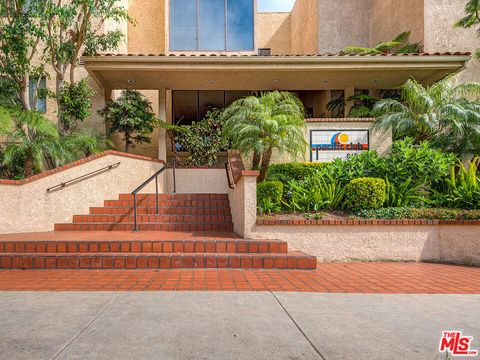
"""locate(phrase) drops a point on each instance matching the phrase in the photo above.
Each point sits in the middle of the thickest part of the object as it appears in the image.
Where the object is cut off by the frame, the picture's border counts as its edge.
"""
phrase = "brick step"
(137, 246)
(197, 219)
(171, 210)
(144, 227)
(170, 203)
(294, 260)
(175, 196)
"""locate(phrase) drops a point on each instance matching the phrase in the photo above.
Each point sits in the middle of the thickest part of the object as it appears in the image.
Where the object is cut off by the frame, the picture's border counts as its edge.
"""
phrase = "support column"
(350, 91)
(164, 108)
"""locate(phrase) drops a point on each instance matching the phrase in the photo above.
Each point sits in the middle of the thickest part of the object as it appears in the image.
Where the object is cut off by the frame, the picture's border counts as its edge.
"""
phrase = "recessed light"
(275, 81)
(375, 80)
(325, 81)
(211, 81)
(130, 81)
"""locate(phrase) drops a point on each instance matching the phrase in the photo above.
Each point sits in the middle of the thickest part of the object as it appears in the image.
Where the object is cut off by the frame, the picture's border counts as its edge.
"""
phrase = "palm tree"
(31, 137)
(446, 114)
(259, 125)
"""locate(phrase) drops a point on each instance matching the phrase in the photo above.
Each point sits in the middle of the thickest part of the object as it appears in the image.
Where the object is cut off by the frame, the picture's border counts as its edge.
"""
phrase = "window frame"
(197, 24)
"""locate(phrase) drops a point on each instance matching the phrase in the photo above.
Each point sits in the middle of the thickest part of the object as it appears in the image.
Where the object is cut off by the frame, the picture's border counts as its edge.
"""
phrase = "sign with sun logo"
(326, 145)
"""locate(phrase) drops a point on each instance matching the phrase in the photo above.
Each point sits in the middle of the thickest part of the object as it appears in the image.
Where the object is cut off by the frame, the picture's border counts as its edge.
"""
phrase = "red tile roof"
(191, 54)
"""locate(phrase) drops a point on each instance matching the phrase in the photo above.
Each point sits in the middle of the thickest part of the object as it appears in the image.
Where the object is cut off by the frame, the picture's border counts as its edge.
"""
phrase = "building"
(188, 55)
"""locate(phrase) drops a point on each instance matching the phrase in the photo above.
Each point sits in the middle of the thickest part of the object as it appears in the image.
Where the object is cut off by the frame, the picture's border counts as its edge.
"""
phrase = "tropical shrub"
(404, 194)
(446, 113)
(462, 189)
(131, 115)
(365, 193)
(272, 121)
(317, 192)
(399, 45)
(31, 139)
(269, 196)
(419, 213)
(202, 139)
(293, 171)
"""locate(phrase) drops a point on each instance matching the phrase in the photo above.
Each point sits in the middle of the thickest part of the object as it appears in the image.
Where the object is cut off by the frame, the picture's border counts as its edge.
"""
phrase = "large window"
(211, 25)
(193, 105)
(41, 104)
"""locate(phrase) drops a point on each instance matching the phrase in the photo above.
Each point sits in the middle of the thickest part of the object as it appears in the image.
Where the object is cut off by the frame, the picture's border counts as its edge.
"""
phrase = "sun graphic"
(343, 138)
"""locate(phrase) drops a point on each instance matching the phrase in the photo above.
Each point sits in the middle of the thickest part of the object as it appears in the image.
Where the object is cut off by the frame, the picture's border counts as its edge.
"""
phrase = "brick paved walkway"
(385, 278)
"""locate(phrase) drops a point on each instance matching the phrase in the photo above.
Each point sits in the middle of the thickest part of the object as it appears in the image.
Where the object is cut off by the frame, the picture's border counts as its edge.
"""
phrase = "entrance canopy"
(286, 72)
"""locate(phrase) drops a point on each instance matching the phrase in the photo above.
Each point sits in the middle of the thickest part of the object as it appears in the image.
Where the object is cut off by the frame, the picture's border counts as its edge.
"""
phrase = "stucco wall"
(304, 19)
(148, 36)
(197, 180)
(243, 204)
(447, 243)
(28, 207)
(391, 17)
(272, 30)
(342, 23)
(441, 35)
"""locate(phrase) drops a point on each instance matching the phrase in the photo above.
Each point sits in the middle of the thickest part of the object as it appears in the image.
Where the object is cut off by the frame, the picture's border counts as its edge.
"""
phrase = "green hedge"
(269, 196)
(365, 193)
(293, 171)
(420, 213)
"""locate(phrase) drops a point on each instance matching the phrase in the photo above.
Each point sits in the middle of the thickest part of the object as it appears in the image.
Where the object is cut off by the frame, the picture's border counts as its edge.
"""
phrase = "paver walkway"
(383, 278)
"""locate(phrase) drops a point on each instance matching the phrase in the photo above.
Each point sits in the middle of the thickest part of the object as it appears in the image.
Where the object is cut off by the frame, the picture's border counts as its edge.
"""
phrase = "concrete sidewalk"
(230, 325)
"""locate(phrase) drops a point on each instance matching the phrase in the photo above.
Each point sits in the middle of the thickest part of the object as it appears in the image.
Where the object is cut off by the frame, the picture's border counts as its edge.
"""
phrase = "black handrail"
(231, 185)
(63, 184)
(171, 164)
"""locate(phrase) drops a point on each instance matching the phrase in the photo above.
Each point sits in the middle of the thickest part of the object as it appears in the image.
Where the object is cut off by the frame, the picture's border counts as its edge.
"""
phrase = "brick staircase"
(179, 212)
(189, 231)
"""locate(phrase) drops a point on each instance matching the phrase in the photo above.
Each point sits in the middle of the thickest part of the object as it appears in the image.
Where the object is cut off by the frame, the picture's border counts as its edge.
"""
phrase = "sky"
(275, 5)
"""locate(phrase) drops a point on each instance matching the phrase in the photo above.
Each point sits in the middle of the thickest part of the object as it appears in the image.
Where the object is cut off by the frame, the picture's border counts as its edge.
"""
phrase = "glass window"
(240, 25)
(211, 25)
(193, 105)
(32, 92)
(183, 28)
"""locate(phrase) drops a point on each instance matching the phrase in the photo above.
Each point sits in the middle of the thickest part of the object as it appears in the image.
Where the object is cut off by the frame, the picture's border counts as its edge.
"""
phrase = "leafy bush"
(75, 104)
(462, 189)
(269, 196)
(293, 171)
(318, 192)
(420, 213)
(132, 115)
(203, 139)
(365, 193)
(405, 194)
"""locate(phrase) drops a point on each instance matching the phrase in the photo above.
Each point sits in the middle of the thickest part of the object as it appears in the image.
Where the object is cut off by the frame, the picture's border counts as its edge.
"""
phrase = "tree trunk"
(58, 89)
(256, 160)
(127, 142)
(265, 163)
(28, 167)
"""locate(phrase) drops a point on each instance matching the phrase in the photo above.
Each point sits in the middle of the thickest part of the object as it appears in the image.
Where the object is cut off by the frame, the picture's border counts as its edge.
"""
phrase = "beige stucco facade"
(312, 27)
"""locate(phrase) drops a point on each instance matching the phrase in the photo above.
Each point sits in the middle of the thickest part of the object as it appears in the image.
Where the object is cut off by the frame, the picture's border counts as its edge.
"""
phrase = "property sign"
(326, 145)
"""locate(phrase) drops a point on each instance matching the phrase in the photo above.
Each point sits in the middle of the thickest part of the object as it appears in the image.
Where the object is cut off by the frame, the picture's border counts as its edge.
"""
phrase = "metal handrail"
(64, 184)
(231, 184)
(171, 164)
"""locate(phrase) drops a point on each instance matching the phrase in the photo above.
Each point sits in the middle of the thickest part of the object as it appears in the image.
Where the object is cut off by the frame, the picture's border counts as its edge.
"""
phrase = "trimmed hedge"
(269, 196)
(420, 213)
(365, 193)
(293, 171)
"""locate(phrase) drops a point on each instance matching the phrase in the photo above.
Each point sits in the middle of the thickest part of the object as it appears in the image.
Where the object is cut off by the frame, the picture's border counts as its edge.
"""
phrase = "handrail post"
(174, 177)
(156, 193)
(135, 229)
